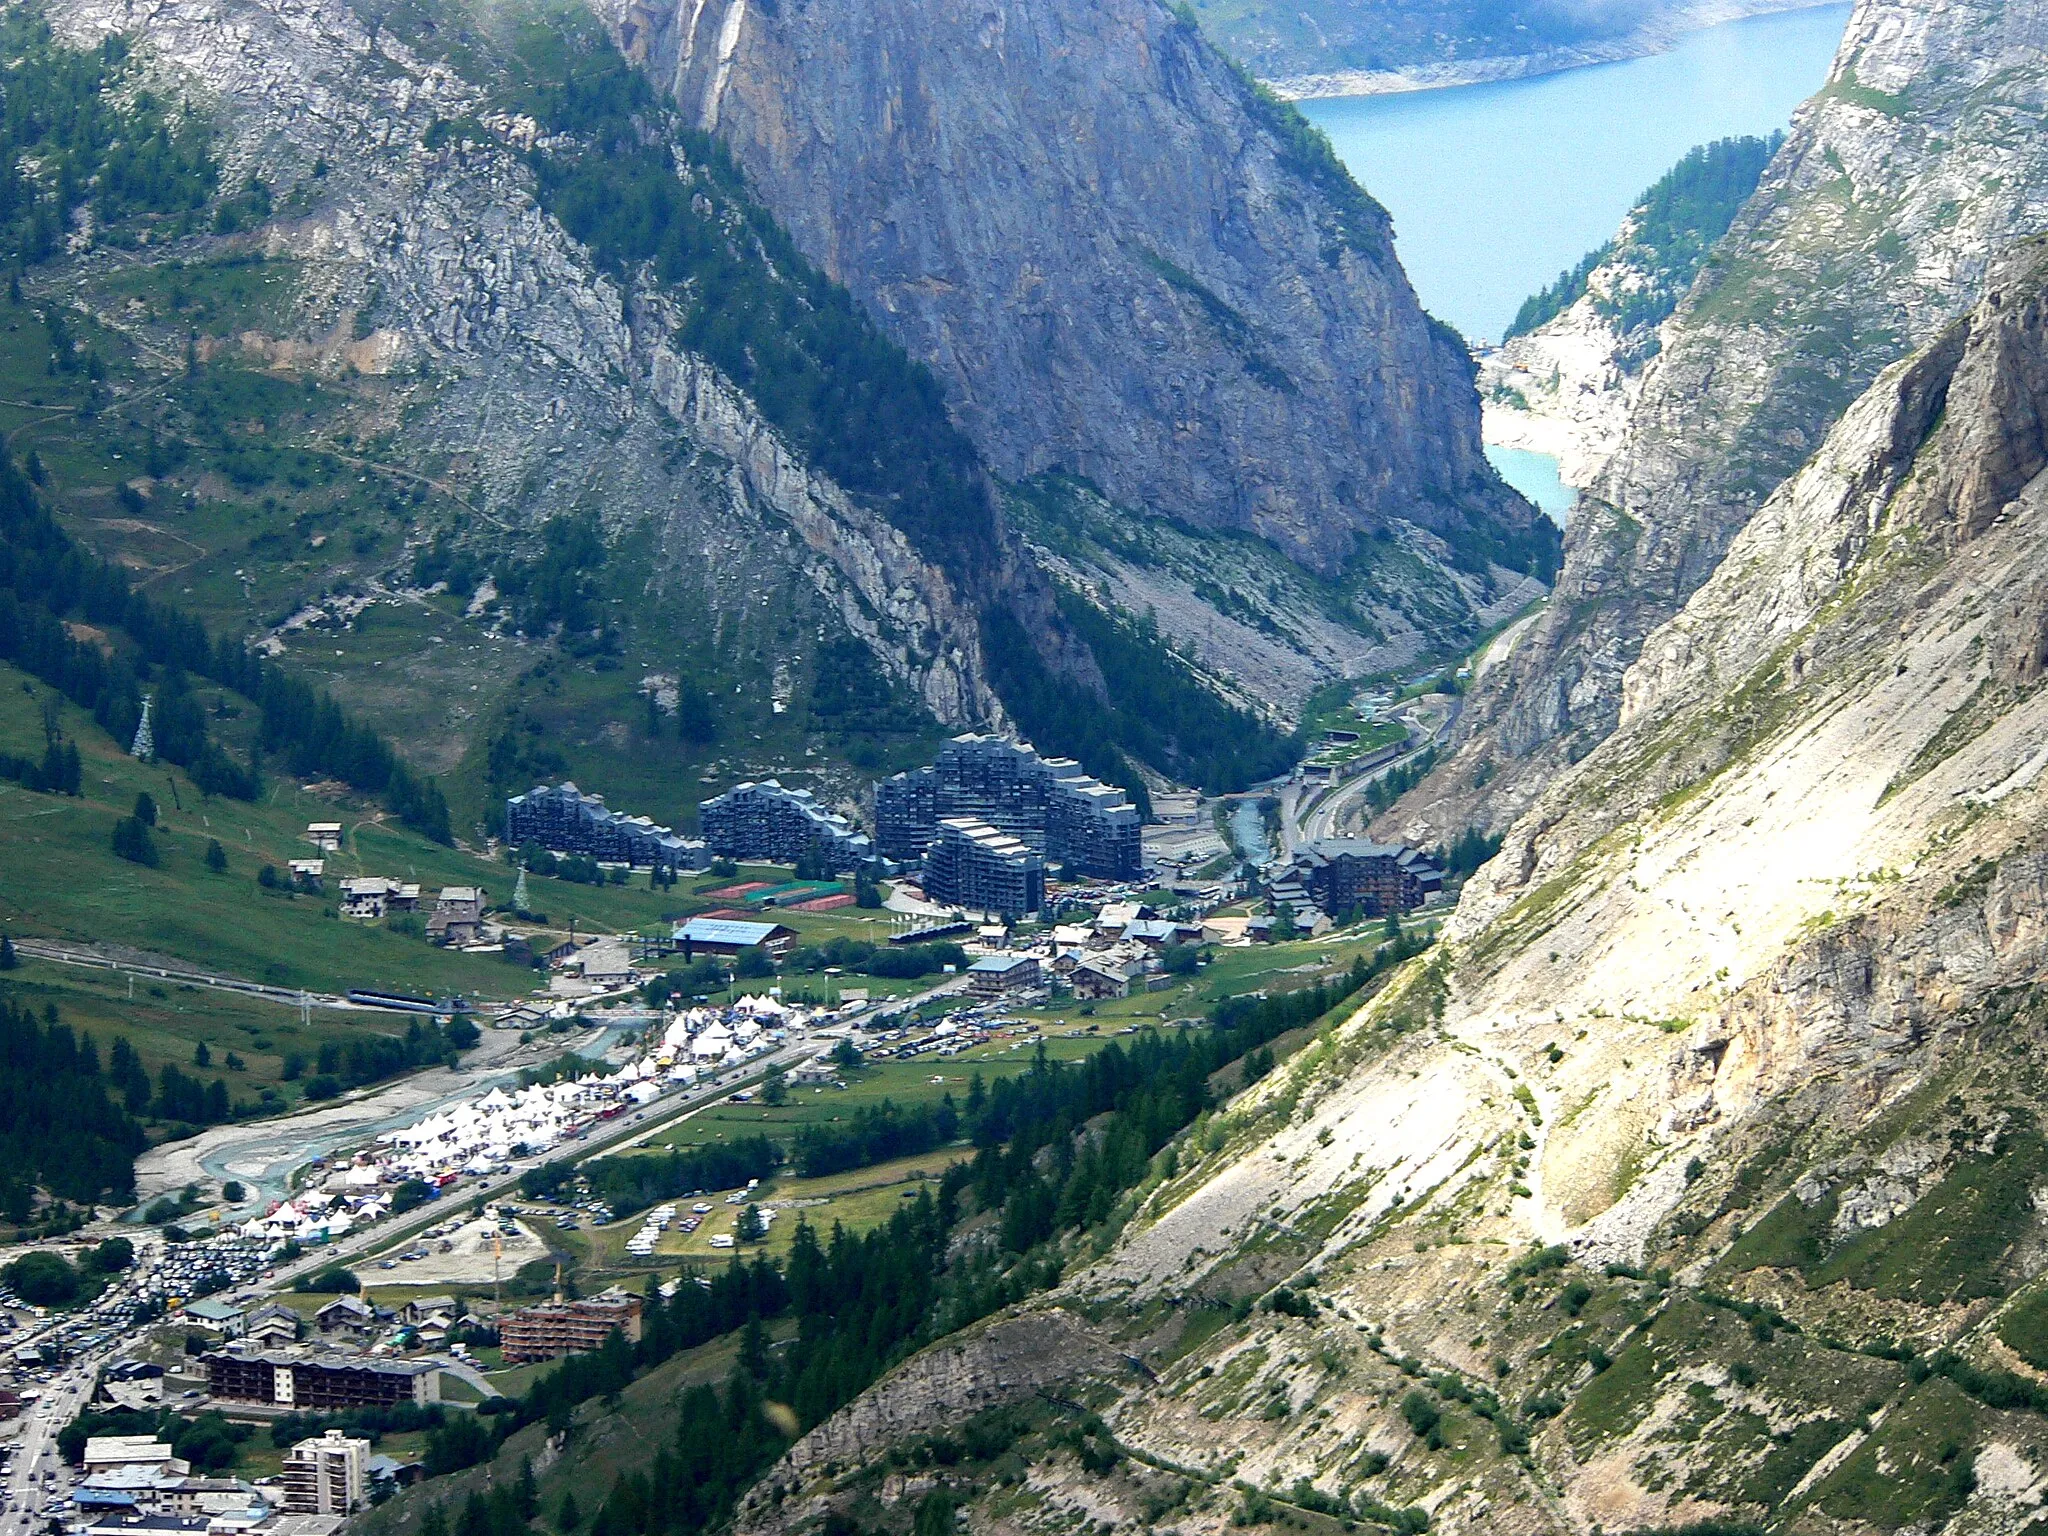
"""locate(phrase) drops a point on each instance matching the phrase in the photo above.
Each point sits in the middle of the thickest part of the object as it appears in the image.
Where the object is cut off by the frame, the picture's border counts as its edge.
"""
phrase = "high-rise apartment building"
(1049, 804)
(563, 819)
(766, 821)
(326, 1475)
(970, 864)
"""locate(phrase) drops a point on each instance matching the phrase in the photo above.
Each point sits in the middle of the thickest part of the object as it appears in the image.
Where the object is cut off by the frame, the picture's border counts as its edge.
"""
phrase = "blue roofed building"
(731, 936)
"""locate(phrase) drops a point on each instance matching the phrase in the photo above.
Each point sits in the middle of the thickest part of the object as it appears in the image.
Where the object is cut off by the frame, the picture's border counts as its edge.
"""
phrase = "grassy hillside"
(60, 879)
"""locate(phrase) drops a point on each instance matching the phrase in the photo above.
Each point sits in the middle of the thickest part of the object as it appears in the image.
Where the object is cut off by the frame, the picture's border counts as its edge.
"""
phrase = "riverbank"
(1659, 36)
(262, 1155)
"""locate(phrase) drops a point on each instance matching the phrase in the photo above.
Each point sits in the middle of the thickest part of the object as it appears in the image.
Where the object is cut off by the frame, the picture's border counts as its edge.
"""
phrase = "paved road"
(1329, 816)
(612, 1136)
(38, 1475)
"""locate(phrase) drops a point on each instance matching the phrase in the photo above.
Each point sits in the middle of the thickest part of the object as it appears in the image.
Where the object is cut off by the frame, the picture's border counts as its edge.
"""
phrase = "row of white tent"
(316, 1217)
(480, 1135)
(723, 1037)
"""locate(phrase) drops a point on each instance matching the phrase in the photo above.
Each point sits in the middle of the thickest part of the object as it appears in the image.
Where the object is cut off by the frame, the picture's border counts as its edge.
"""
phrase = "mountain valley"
(411, 401)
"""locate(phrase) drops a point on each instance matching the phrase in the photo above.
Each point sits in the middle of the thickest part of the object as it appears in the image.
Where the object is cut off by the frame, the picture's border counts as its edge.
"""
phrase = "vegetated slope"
(1689, 1179)
(530, 436)
(859, 1301)
(1571, 365)
(1267, 631)
(1354, 47)
(403, 368)
(1662, 241)
(1872, 228)
(59, 1121)
(1119, 259)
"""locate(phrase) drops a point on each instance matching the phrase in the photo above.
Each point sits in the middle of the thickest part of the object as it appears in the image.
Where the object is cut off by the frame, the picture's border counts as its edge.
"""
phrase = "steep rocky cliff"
(1694, 1176)
(1120, 261)
(1871, 230)
(532, 382)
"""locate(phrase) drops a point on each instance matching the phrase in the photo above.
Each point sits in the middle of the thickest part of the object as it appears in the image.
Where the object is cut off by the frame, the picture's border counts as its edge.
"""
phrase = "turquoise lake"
(1495, 189)
(1535, 476)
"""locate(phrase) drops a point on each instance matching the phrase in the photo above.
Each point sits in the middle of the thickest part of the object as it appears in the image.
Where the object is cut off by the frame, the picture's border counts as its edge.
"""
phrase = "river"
(263, 1155)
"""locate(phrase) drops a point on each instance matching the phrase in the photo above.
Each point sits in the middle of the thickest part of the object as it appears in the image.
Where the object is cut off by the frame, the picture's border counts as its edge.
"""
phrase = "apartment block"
(1049, 804)
(560, 1328)
(1355, 874)
(319, 1383)
(563, 819)
(326, 1475)
(766, 821)
(971, 864)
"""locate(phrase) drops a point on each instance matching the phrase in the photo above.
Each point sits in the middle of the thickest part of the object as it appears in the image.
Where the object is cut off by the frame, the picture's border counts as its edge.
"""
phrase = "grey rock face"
(1101, 242)
(1045, 1352)
(532, 376)
(1902, 181)
(1943, 455)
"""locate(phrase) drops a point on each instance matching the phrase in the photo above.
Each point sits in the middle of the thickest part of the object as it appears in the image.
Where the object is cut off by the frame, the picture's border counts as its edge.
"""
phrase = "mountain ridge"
(1684, 1132)
(1355, 50)
(1232, 350)
(1872, 228)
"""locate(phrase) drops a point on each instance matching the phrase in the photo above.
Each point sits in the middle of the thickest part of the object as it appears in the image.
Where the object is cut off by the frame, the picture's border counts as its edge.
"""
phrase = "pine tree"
(50, 776)
(568, 1517)
(527, 1494)
(216, 856)
(753, 1355)
(7, 959)
(132, 842)
(935, 1515)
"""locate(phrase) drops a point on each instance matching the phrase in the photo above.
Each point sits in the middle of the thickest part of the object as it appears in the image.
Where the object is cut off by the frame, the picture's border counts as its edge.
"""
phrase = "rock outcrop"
(1565, 382)
(1631, 1205)
(1873, 228)
(1119, 261)
(533, 375)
